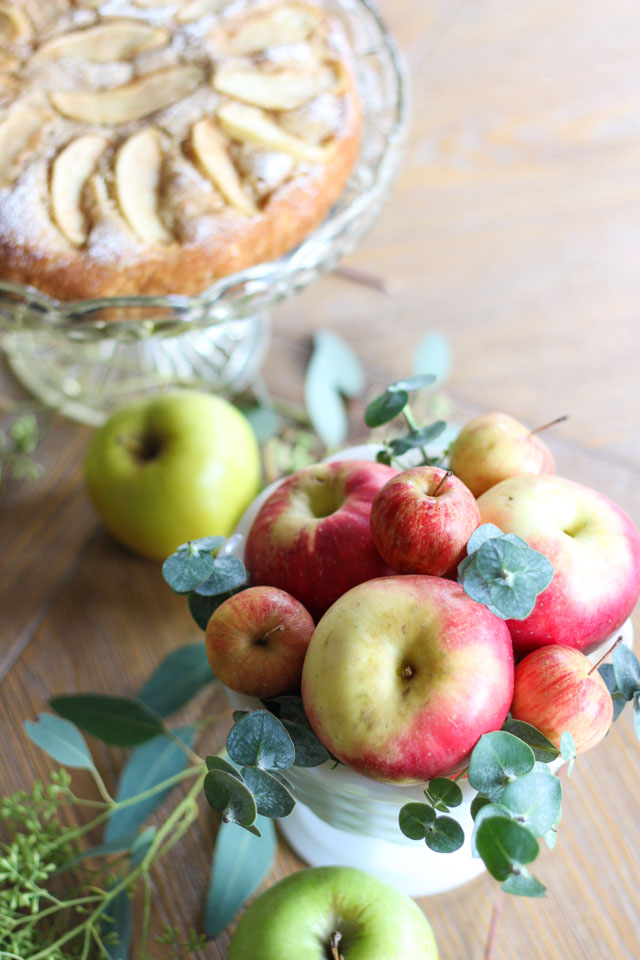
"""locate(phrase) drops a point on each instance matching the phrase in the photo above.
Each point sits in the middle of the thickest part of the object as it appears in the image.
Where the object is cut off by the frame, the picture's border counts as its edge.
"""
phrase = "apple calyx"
(503, 572)
(334, 941)
(144, 449)
(604, 656)
(552, 423)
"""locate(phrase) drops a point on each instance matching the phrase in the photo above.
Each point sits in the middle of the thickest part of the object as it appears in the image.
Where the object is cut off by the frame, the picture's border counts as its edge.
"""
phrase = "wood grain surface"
(515, 231)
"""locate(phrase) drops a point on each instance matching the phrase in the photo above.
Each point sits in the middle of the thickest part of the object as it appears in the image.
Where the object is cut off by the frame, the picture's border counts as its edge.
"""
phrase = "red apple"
(404, 674)
(495, 446)
(422, 519)
(312, 536)
(257, 640)
(594, 549)
(557, 689)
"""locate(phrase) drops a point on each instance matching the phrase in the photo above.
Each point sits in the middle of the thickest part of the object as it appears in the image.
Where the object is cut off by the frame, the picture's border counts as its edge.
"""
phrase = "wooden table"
(514, 230)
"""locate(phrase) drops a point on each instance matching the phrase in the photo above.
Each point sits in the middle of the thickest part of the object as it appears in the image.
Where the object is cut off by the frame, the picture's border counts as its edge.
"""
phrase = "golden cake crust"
(166, 201)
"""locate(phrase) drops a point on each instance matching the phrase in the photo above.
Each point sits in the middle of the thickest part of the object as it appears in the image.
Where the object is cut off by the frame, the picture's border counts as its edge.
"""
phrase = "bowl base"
(409, 866)
(87, 380)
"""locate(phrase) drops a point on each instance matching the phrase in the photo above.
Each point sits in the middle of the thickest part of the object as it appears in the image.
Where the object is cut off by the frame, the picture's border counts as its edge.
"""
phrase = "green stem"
(459, 776)
(62, 905)
(146, 918)
(407, 413)
(87, 943)
(193, 756)
(100, 784)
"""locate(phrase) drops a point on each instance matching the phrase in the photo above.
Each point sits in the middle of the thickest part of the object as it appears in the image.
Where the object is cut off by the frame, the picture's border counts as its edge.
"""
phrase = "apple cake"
(150, 147)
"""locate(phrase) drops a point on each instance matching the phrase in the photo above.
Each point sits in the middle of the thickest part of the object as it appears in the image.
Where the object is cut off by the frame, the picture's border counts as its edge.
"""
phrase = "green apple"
(327, 913)
(170, 468)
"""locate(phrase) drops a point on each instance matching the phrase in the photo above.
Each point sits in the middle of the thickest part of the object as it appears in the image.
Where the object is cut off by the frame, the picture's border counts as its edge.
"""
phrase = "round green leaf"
(179, 677)
(477, 804)
(538, 568)
(385, 407)
(543, 749)
(288, 707)
(486, 531)
(626, 670)
(310, 752)
(185, 569)
(203, 545)
(259, 739)
(497, 556)
(61, 739)
(230, 797)
(117, 721)
(505, 845)
(497, 759)
(535, 800)
(383, 456)
(415, 818)
(412, 383)
(523, 884)
(444, 835)
(515, 600)
(446, 791)
(420, 438)
(228, 574)
(271, 796)
(490, 810)
(217, 763)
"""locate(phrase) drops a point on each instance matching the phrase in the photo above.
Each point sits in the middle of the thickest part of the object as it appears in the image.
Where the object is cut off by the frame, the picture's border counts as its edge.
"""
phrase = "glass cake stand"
(87, 356)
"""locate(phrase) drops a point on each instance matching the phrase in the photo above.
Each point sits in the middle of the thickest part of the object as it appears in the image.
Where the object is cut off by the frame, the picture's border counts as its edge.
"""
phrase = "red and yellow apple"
(594, 549)
(495, 446)
(256, 642)
(421, 521)
(404, 674)
(312, 536)
(556, 689)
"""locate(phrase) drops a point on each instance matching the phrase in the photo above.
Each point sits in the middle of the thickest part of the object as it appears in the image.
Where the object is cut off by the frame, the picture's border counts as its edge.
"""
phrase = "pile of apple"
(356, 602)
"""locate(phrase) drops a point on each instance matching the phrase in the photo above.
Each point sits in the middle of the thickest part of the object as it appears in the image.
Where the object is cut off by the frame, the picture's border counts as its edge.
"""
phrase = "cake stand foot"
(86, 380)
(411, 867)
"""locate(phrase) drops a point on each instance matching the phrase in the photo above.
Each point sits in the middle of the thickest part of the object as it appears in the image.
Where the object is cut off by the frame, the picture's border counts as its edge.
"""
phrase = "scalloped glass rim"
(248, 291)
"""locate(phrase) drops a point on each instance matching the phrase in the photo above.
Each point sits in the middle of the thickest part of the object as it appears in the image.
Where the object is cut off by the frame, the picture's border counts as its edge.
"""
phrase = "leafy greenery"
(208, 575)
(503, 572)
(334, 372)
(18, 441)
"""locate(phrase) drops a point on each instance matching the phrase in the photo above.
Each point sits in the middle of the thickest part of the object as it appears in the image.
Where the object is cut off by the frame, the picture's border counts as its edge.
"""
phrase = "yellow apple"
(170, 468)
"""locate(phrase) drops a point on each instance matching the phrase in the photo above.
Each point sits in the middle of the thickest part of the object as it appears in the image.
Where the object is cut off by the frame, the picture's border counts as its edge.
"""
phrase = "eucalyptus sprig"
(623, 683)
(395, 402)
(206, 573)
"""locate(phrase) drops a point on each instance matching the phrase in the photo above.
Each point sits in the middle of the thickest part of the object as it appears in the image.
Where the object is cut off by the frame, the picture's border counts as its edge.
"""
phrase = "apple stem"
(604, 657)
(334, 940)
(448, 473)
(493, 926)
(265, 636)
(552, 423)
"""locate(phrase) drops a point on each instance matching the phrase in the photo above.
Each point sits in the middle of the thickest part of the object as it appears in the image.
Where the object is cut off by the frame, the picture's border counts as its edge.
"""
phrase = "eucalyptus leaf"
(486, 531)
(385, 407)
(433, 354)
(117, 721)
(568, 750)
(116, 927)
(444, 835)
(496, 760)
(626, 669)
(118, 845)
(489, 810)
(636, 714)
(228, 574)
(179, 677)
(415, 818)
(265, 422)
(446, 791)
(523, 884)
(141, 846)
(271, 796)
(288, 707)
(147, 766)
(477, 804)
(62, 740)
(412, 383)
(419, 438)
(201, 607)
(309, 751)
(185, 569)
(203, 544)
(543, 749)
(505, 845)
(514, 600)
(551, 837)
(619, 702)
(241, 862)
(230, 797)
(384, 456)
(535, 800)
(334, 372)
(259, 739)
(218, 763)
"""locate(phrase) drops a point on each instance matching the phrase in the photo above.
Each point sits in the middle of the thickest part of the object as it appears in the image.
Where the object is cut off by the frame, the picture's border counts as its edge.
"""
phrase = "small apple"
(170, 468)
(593, 547)
(495, 446)
(557, 689)
(404, 674)
(326, 913)
(422, 519)
(256, 642)
(312, 536)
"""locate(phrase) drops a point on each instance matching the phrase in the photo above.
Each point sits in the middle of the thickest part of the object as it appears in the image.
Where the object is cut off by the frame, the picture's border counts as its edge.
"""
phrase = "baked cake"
(150, 147)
